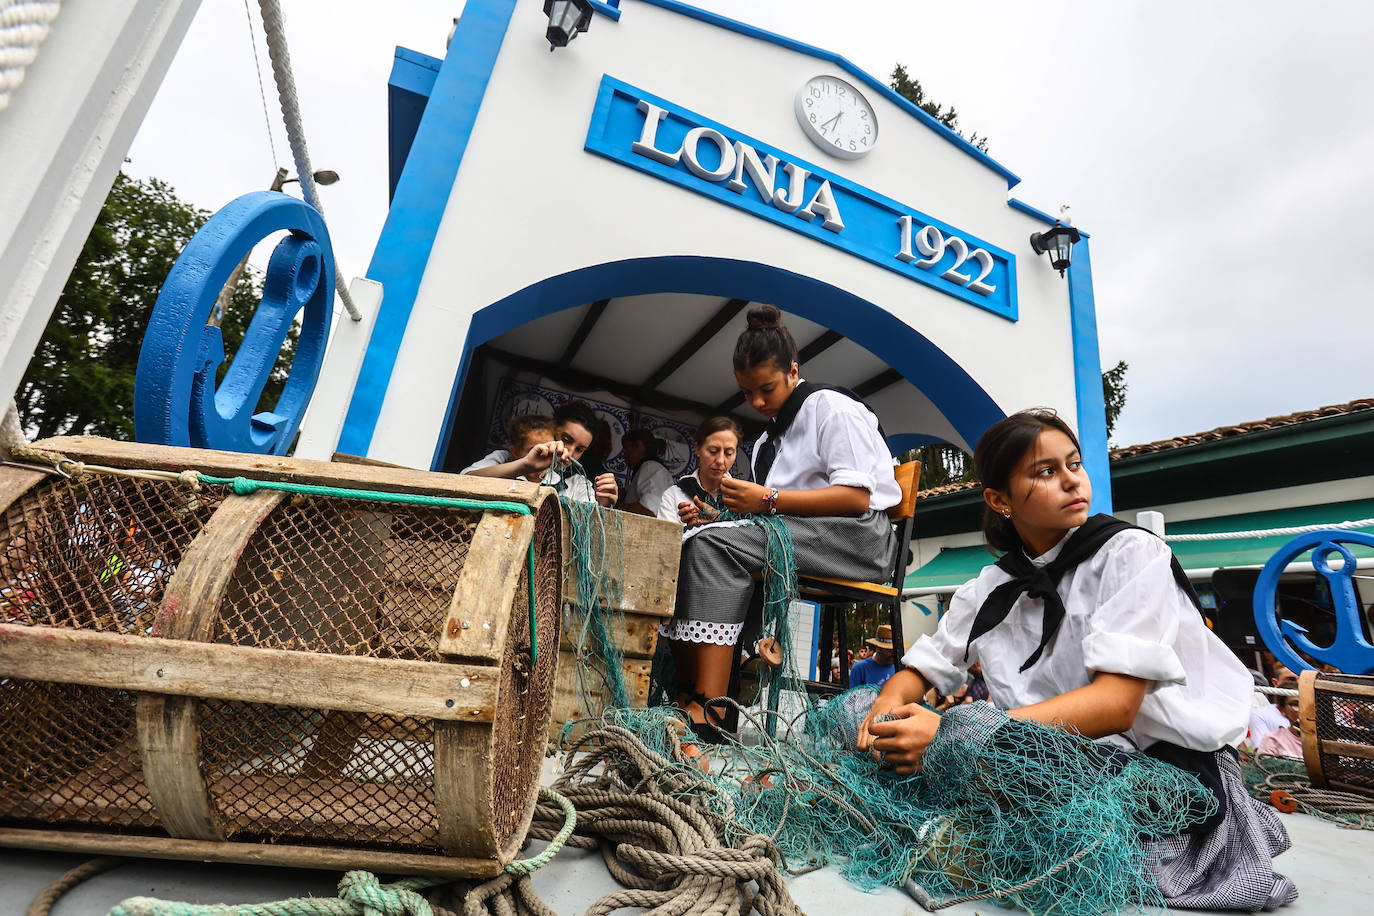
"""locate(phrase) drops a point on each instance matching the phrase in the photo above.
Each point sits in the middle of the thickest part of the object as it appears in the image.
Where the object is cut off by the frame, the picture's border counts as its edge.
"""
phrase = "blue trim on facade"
(838, 60)
(871, 229)
(1087, 374)
(611, 9)
(954, 393)
(1031, 211)
(407, 93)
(421, 196)
(905, 442)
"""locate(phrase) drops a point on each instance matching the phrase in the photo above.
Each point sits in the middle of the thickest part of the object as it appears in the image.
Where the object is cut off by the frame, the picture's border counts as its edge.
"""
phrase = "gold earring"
(1007, 513)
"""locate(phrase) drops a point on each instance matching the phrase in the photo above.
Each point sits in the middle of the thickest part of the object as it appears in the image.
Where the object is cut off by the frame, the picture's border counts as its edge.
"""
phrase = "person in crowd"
(649, 477)
(876, 669)
(716, 443)
(1265, 719)
(1286, 740)
(1088, 623)
(971, 691)
(572, 426)
(821, 465)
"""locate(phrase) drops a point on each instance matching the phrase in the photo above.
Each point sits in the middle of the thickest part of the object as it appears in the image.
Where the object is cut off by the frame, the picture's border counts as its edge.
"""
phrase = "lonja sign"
(647, 133)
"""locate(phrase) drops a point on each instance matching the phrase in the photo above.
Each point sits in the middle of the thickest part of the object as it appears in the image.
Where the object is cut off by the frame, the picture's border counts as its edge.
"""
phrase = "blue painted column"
(1087, 371)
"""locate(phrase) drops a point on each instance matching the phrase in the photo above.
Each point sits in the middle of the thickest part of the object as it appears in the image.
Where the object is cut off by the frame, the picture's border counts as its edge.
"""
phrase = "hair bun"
(764, 316)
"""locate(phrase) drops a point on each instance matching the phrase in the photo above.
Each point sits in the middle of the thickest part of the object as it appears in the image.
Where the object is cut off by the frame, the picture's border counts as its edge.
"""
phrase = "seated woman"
(822, 464)
(1088, 623)
(531, 455)
(649, 476)
(716, 443)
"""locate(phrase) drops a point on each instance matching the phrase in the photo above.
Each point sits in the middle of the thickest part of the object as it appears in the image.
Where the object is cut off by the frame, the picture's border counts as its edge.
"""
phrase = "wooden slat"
(636, 634)
(711, 328)
(584, 330)
(908, 475)
(94, 450)
(479, 614)
(648, 573)
(871, 587)
(15, 482)
(334, 859)
(463, 792)
(1307, 723)
(567, 701)
(1347, 749)
(276, 676)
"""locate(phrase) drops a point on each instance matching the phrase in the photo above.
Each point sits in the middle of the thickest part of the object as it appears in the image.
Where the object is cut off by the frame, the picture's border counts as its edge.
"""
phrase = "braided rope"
(295, 128)
(43, 903)
(1269, 532)
(24, 24)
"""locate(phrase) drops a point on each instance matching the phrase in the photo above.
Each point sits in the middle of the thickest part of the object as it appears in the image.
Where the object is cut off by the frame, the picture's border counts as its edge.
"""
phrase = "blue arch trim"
(1087, 371)
(961, 399)
(419, 203)
(839, 60)
(905, 442)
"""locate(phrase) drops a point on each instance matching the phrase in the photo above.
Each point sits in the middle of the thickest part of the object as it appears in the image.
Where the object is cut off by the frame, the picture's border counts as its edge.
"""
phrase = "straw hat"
(883, 640)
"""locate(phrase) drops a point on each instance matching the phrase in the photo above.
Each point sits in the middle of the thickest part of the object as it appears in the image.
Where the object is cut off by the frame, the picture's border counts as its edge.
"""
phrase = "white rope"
(23, 26)
(1269, 532)
(1276, 691)
(295, 130)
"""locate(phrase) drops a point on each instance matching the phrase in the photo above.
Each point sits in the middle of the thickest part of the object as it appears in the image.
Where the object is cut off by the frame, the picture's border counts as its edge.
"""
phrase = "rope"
(262, 92)
(1269, 532)
(360, 894)
(930, 904)
(529, 866)
(1289, 775)
(295, 130)
(1276, 691)
(24, 24)
(43, 903)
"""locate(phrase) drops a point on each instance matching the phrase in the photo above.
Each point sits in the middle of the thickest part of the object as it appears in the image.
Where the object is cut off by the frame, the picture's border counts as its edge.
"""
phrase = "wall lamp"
(566, 19)
(1058, 241)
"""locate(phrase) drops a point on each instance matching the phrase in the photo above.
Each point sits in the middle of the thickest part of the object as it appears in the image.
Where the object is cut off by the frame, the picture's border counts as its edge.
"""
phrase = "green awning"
(954, 566)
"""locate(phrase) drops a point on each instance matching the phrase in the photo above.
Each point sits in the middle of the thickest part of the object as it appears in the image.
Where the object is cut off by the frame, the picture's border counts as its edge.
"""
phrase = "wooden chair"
(834, 594)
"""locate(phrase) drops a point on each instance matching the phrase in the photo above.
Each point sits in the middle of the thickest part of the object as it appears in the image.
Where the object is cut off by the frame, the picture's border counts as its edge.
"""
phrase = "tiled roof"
(1221, 432)
(1240, 429)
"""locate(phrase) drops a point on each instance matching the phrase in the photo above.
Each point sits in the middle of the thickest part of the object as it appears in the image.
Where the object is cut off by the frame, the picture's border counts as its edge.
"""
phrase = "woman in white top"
(649, 476)
(716, 443)
(1088, 623)
(823, 465)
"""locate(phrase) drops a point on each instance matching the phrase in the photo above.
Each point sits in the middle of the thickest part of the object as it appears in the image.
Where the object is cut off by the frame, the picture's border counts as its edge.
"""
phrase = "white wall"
(529, 203)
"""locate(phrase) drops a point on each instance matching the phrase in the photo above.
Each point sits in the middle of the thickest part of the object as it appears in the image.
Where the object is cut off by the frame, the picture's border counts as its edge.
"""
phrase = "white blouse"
(667, 505)
(648, 483)
(1124, 615)
(834, 440)
(580, 489)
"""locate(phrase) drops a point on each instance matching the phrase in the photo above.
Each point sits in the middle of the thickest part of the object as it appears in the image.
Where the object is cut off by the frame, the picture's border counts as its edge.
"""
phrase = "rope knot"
(362, 889)
(189, 479)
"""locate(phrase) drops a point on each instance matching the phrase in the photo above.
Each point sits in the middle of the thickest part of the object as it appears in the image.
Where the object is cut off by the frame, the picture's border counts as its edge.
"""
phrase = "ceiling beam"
(813, 349)
(884, 379)
(584, 330)
(710, 329)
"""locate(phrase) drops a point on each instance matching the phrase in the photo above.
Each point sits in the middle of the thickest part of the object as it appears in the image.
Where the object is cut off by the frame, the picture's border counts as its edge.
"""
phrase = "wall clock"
(836, 117)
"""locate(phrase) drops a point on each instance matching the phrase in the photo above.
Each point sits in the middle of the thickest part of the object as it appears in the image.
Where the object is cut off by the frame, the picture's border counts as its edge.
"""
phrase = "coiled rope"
(24, 24)
(295, 130)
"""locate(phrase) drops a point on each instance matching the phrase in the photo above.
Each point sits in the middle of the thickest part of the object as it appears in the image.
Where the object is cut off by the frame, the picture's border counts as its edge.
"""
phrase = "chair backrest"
(908, 475)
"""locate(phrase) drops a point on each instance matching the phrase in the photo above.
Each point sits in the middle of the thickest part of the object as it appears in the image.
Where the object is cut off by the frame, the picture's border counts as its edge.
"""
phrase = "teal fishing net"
(1270, 779)
(1019, 813)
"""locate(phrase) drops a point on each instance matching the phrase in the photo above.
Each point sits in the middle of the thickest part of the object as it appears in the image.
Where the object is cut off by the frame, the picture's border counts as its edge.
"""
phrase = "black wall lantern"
(566, 19)
(1058, 241)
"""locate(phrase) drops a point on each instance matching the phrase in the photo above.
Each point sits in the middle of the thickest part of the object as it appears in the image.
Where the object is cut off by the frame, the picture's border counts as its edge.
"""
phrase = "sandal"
(709, 732)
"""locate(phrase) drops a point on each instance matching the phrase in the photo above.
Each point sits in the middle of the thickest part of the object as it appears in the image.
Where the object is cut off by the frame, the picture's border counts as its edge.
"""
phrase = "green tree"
(81, 377)
(1114, 393)
(909, 88)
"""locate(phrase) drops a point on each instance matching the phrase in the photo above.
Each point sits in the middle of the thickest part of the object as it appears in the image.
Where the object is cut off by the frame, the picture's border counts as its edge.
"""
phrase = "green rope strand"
(243, 486)
(529, 866)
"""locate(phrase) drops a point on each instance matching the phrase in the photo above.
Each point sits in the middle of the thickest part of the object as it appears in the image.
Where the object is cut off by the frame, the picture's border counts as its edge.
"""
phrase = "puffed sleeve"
(1135, 627)
(667, 504)
(851, 447)
(940, 658)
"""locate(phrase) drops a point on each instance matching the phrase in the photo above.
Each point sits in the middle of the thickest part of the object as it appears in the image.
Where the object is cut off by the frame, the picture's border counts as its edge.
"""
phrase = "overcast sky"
(1218, 153)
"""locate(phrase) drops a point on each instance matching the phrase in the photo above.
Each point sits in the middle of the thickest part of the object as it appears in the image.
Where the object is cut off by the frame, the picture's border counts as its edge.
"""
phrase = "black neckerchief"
(777, 427)
(694, 490)
(1042, 582)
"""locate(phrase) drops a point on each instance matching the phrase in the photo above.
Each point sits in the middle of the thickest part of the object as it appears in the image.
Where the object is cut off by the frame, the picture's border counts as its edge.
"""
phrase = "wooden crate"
(302, 680)
(652, 549)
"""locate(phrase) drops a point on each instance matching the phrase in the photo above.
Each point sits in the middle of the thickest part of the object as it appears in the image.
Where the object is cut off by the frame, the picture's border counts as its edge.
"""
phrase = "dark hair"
(653, 445)
(579, 412)
(999, 451)
(766, 340)
(517, 428)
(712, 425)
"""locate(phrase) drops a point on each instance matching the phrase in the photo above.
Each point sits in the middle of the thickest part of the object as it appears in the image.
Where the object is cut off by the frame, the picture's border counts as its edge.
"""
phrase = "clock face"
(836, 117)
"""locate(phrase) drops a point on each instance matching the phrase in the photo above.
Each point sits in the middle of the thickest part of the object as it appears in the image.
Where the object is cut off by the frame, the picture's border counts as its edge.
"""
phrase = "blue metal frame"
(1087, 374)
(952, 390)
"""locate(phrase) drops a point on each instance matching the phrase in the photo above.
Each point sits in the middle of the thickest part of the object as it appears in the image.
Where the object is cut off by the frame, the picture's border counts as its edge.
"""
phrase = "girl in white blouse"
(716, 444)
(1088, 623)
(823, 464)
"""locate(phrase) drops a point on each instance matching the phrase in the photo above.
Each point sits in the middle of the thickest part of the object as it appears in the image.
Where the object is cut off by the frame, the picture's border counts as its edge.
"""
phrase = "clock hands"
(831, 123)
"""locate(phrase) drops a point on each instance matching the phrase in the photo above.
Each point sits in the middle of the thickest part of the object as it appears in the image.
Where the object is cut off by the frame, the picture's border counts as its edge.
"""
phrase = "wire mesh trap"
(294, 678)
(1337, 719)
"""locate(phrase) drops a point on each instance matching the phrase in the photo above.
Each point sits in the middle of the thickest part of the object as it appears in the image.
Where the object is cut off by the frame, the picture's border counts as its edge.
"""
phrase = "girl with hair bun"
(1088, 623)
(823, 465)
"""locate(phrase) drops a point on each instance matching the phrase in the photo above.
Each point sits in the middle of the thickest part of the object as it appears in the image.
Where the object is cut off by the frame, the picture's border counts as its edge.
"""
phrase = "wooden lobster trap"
(1336, 715)
(306, 679)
